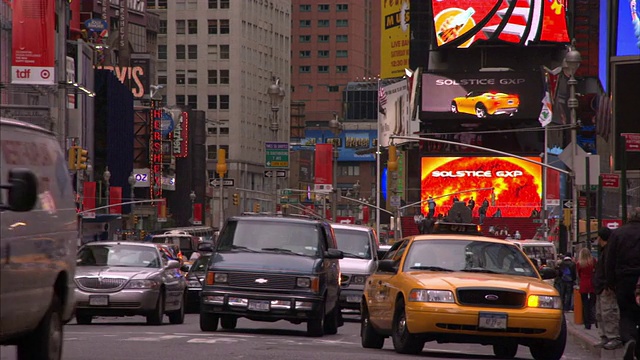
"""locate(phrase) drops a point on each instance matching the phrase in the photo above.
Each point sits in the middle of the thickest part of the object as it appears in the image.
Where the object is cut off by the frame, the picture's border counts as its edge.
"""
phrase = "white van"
(543, 251)
(38, 241)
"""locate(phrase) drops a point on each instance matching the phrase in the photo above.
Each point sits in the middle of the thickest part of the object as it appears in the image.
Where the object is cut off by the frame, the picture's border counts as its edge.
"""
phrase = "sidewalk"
(588, 339)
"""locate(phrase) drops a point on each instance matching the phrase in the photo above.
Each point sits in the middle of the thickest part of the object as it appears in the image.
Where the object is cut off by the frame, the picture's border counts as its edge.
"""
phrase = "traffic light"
(135, 219)
(72, 157)
(221, 167)
(82, 156)
(392, 163)
(236, 199)
(567, 217)
(256, 207)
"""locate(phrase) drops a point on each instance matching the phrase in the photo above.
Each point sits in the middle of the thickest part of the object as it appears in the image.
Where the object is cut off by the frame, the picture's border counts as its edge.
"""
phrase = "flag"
(546, 113)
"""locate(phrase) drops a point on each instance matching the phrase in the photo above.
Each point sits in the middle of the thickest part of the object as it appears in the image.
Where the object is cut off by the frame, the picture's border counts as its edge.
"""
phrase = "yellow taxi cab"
(454, 285)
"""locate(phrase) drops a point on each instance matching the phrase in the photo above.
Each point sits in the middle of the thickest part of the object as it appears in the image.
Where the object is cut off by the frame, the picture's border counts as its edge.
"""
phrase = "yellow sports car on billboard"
(483, 104)
(462, 288)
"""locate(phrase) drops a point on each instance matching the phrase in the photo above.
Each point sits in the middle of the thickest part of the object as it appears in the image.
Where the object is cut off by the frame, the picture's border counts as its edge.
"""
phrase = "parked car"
(359, 244)
(127, 279)
(269, 268)
(485, 103)
(38, 241)
(195, 279)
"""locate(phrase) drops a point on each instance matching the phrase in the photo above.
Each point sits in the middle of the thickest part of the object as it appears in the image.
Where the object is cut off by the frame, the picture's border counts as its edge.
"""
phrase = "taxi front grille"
(488, 297)
(262, 281)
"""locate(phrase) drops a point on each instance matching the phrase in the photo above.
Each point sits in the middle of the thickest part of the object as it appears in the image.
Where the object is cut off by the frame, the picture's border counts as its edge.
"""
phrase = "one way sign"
(568, 204)
(275, 173)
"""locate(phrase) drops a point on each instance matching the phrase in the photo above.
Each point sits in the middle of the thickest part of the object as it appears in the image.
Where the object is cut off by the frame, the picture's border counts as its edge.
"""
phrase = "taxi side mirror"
(387, 266)
(548, 273)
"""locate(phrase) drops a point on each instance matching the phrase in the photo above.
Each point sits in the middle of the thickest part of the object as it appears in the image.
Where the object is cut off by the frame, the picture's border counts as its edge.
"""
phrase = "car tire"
(45, 342)
(177, 316)
(331, 321)
(507, 350)
(157, 315)
(208, 321)
(403, 341)
(550, 349)
(454, 107)
(315, 326)
(368, 336)
(228, 322)
(481, 111)
(83, 319)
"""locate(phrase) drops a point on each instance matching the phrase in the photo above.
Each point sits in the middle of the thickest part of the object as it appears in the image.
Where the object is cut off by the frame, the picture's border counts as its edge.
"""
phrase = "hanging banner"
(394, 38)
(115, 197)
(33, 42)
(89, 195)
(161, 208)
(323, 167)
(365, 215)
(197, 214)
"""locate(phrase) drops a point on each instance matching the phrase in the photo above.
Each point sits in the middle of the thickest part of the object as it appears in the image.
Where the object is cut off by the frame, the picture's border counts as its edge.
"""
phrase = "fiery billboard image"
(517, 184)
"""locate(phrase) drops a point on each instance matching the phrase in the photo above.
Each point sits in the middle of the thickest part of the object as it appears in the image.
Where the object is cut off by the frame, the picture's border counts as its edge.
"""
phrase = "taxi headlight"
(546, 302)
(425, 295)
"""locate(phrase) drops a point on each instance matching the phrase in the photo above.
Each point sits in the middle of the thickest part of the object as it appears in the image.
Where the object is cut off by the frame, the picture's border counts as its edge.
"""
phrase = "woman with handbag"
(585, 267)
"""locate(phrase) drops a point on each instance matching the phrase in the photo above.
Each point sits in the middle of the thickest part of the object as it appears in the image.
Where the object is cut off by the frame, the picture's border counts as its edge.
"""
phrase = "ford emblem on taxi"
(261, 281)
(491, 297)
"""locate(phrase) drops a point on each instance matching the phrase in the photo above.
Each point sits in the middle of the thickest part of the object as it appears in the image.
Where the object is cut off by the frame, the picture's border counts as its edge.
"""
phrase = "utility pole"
(60, 97)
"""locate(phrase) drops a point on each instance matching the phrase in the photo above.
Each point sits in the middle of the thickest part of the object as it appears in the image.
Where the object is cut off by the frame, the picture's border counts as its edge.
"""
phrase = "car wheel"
(454, 107)
(550, 349)
(368, 336)
(331, 321)
(177, 316)
(157, 315)
(403, 341)
(508, 350)
(481, 111)
(45, 342)
(83, 319)
(228, 322)
(315, 326)
(208, 321)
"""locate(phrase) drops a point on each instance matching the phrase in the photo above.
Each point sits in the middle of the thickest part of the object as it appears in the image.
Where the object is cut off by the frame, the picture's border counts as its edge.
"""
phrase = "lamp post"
(276, 95)
(106, 176)
(336, 128)
(192, 197)
(572, 61)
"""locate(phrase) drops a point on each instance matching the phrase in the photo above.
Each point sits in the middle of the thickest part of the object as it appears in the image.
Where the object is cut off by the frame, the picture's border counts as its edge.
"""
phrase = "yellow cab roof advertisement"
(394, 44)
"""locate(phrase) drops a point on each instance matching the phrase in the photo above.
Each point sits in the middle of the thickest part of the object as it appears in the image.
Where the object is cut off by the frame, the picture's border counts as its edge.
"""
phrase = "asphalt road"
(130, 338)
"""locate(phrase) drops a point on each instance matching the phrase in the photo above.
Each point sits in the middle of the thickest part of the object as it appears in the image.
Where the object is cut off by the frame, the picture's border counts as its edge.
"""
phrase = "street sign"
(395, 201)
(632, 142)
(89, 215)
(612, 223)
(553, 202)
(225, 182)
(286, 200)
(277, 155)
(611, 181)
(568, 204)
(325, 188)
(276, 173)
(582, 201)
(285, 192)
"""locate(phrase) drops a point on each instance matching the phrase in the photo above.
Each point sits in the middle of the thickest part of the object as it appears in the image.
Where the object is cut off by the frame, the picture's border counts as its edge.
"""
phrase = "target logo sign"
(45, 74)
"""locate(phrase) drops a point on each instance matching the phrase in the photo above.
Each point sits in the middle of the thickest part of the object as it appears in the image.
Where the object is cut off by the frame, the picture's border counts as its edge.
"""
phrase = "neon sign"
(155, 152)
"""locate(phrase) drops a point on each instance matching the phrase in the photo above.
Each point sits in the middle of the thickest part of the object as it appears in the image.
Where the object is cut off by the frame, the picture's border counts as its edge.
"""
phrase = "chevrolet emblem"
(262, 281)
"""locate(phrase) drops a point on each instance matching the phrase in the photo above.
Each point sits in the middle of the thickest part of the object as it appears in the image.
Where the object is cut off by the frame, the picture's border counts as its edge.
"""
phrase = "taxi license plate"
(259, 305)
(353, 299)
(99, 300)
(492, 321)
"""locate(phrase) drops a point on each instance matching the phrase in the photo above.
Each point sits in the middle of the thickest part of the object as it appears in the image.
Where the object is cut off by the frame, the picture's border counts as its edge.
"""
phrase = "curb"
(584, 340)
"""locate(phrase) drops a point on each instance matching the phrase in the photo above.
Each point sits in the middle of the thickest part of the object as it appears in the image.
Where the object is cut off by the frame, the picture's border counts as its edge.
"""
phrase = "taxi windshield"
(468, 256)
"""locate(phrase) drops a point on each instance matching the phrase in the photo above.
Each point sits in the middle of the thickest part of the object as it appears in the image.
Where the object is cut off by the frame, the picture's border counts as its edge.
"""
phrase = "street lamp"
(192, 197)
(106, 176)
(336, 127)
(571, 64)
(276, 95)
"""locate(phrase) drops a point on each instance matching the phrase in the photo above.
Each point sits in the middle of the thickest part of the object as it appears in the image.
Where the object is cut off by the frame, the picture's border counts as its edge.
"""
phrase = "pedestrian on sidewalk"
(585, 267)
(607, 315)
(431, 206)
(622, 272)
(566, 281)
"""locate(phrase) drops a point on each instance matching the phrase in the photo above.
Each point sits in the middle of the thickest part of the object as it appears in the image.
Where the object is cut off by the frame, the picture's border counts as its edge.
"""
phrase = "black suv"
(268, 268)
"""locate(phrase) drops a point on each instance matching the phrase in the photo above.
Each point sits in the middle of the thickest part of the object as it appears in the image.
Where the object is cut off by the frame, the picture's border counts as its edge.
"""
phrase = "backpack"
(566, 274)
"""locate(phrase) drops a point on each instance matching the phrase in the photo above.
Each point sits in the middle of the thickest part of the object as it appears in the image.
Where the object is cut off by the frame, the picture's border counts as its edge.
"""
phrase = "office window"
(213, 26)
(212, 77)
(305, 23)
(305, 38)
(162, 4)
(349, 170)
(212, 102)
(224, 76)
(193, 51)
(342, 38)
(192, 77)
(305, 8)
(305, 69)
(213, 4)
(323, 69)
(193, 26)
(342, 53)
(342, 7)
(212, 152)
(323, 38)
(341, 69)
(323, 23)
(180, 100)
(162, 29)
(342, 23)
(323, 7)
(224, 102)
(180, 77)
(224, 51)
(305, 53)
(212, 50)
(180, 52)
(192, 101)
(224, 26)
(180, 26)
(162, 52)
(162, 79)
(224, 4)
(323, 53)
(333, 88)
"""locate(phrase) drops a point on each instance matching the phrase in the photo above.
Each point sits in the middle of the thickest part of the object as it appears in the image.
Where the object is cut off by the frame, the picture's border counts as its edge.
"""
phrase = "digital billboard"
(461, 23)
(482, 96)
(628, 38)
(517, 184)
(348, 143)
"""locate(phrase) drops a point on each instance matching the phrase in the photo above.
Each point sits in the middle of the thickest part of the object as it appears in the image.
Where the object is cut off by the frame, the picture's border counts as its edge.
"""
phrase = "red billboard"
(33, 42)
(460, 23)
(115, 197)
(517, 184)
(324, 164)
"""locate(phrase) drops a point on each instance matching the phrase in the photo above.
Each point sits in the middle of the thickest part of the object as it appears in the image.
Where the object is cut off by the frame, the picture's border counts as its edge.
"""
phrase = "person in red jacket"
(585, 267)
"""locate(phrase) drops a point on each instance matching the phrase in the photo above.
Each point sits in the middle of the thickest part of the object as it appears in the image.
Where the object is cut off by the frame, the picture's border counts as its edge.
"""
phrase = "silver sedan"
(127, 279)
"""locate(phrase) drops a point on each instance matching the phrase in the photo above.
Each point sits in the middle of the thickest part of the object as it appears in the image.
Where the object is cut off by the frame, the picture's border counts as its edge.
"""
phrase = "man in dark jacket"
(622, 271)
(607, 314)
(566, 281)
